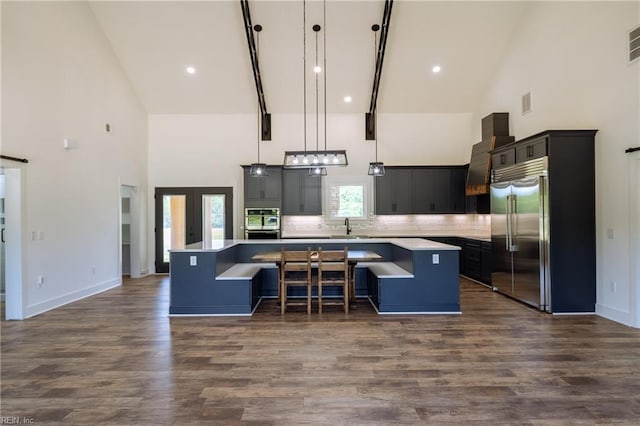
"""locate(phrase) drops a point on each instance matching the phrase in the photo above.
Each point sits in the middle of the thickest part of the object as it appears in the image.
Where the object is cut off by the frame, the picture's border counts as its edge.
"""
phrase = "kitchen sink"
(349, 237)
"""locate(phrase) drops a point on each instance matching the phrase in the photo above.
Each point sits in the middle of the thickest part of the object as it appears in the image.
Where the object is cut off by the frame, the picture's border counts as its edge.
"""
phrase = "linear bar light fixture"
(316, 161)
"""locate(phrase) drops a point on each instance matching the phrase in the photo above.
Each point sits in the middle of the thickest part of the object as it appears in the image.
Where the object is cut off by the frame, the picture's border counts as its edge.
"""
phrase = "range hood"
(495, 133)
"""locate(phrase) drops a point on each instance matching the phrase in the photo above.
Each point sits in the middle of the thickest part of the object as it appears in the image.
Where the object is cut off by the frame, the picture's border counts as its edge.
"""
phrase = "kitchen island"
(413, 275)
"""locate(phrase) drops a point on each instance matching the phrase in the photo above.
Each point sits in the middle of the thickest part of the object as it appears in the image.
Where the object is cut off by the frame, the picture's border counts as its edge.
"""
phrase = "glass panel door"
(174, 220)
(213, 219)
(191, 215)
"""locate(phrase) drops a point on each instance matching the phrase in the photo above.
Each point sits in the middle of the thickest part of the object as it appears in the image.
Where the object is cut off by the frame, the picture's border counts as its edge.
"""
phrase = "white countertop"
(406, 243)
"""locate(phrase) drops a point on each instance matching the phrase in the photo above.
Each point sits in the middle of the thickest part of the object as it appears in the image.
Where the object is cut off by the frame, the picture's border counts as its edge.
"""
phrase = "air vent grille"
(634, 44)
(526, 103)
(536, 167)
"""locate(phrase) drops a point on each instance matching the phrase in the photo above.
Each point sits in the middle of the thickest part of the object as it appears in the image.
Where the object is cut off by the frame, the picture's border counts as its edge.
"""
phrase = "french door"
(190, 215)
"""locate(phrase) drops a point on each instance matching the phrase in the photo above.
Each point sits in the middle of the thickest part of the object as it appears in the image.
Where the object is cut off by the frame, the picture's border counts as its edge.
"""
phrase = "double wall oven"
(262, 224)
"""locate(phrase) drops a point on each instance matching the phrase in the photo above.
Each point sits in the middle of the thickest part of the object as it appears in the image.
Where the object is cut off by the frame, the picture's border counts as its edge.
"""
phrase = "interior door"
(191, 215)
(501, 258)
(526, 235)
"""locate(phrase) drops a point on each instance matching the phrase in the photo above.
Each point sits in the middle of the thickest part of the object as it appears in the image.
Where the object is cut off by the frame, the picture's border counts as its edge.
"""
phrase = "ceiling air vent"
(526, 103)
(634, 44)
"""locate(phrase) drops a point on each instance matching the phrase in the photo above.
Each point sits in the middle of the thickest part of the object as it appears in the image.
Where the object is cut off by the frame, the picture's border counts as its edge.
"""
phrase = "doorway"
(12, 239)
(189, 215)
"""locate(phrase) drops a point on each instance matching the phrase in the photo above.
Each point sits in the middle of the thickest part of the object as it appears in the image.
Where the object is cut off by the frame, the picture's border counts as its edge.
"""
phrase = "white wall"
(63, 81)
(573, 57)
(207, 150)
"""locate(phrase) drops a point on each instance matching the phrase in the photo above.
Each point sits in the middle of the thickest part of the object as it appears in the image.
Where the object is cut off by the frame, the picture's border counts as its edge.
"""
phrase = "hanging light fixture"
(258, 169)
(376, 168)
(318, 160)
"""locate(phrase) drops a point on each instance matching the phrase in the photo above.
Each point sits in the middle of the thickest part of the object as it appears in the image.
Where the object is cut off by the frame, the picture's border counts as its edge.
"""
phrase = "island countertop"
(413, 244)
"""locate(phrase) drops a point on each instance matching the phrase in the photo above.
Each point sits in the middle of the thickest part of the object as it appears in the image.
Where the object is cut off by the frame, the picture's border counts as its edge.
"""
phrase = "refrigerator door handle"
(514, 222)
(508, 235)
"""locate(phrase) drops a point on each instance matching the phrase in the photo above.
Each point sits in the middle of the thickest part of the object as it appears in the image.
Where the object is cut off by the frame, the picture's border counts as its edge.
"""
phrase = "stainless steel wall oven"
(261, 224)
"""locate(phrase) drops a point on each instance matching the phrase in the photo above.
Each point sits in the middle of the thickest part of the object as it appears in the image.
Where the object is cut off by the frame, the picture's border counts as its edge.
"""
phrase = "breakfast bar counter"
(409, 275)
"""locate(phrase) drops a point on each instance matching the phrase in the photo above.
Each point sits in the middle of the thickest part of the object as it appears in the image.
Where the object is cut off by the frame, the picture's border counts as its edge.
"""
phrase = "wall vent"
(634, 44)
(526, 103)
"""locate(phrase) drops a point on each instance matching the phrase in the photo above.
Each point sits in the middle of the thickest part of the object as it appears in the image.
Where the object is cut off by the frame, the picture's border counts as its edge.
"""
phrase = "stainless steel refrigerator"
(520, 232)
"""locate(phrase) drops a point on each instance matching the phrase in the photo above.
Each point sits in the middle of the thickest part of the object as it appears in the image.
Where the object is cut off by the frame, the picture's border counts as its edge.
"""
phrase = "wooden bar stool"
(295, 271)
(333, 271)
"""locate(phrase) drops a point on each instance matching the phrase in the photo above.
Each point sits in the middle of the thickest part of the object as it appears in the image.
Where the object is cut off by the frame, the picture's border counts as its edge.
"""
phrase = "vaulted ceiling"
(156, 41)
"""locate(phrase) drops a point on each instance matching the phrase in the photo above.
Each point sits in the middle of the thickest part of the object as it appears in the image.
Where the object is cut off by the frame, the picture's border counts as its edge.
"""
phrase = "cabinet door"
(302, 194)
(311, 195)
(263, 191)
(457, 196)
(485, 266)
(393, 195)
(503, 158)
(431, 190)
(532, 149)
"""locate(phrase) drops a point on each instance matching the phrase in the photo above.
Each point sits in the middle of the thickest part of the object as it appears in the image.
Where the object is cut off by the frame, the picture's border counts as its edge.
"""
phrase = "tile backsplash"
(464, 225)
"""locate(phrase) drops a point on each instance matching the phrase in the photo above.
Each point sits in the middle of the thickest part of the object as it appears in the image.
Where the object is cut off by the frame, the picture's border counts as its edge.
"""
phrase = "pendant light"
(376, 168)
(325, 158)
(318, 160)
(258, 169)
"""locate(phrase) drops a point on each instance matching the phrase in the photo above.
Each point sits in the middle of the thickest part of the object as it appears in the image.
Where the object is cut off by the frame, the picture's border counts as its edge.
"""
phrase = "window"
(347, 200)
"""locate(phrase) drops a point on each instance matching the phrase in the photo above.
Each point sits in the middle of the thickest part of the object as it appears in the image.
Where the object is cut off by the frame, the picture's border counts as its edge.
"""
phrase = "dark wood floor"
(117, 358)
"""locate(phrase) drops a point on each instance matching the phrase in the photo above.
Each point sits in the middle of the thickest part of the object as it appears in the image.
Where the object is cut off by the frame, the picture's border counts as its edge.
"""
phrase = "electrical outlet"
(435, 258)
(612, 286)
(193, 260)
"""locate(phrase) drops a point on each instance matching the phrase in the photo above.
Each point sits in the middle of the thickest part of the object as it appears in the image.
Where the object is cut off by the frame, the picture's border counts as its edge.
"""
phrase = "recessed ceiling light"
(317, 69)
(347, 99)
(436, 69)
(190, 70)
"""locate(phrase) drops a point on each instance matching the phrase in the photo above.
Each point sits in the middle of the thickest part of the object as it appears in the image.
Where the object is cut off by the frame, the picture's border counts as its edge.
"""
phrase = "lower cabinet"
(477, 260)
(475, 257)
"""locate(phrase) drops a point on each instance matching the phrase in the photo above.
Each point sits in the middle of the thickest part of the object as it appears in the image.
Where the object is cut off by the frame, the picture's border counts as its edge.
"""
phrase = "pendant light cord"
(324, 67)
(317, 98)
(304, 70)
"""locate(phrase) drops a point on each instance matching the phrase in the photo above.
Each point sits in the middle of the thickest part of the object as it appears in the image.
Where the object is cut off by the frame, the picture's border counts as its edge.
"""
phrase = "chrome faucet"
(346, 222)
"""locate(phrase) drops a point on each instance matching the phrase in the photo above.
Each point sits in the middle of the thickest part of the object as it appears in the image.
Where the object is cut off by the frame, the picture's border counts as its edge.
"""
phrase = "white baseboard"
(617, 315)
(56, 302)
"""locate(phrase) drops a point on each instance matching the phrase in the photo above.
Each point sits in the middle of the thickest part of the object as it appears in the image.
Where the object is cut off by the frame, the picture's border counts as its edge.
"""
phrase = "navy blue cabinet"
(421, 190)
(302, 193)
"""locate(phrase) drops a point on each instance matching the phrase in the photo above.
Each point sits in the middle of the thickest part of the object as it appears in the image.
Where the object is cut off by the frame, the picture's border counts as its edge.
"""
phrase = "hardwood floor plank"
(117, 358)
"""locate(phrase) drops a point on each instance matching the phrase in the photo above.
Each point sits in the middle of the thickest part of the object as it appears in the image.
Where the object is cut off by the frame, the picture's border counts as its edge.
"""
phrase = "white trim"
(572, 313)
(411, 313)
(74, 296)
(623, 317)
(209, 315)
(220, 315)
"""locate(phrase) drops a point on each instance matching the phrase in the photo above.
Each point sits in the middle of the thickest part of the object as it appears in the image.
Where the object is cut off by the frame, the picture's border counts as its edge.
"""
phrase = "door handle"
(2, 237)
(508, 234)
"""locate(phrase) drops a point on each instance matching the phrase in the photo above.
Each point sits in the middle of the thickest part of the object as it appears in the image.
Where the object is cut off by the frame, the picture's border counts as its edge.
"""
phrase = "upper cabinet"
(519, 152)
(263, 191)
(421, 190)
(393, 195)
(302, 193)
